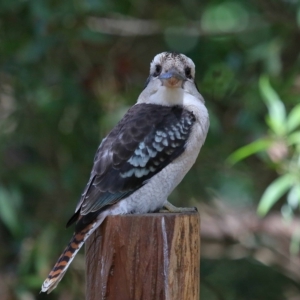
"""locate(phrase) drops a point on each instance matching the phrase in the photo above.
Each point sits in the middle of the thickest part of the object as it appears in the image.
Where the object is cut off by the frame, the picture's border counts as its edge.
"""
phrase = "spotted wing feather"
(146, 140)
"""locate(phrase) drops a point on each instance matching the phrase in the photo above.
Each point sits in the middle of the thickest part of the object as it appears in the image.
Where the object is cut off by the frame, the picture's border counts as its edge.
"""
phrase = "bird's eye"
(157, 70)
(188, 73)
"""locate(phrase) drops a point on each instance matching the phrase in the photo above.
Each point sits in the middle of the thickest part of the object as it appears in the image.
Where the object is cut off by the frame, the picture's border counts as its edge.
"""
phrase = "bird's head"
(172, 69)
(171, 77)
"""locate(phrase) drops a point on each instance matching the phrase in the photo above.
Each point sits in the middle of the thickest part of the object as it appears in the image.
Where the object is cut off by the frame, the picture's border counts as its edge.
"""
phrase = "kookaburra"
(145, 156)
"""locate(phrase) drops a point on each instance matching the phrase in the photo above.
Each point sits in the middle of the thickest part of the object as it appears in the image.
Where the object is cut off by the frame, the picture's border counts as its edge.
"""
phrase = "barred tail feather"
(68, 255)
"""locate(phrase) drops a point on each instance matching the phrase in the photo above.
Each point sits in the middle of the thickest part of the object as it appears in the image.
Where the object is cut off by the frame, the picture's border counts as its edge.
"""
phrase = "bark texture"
(144, 257)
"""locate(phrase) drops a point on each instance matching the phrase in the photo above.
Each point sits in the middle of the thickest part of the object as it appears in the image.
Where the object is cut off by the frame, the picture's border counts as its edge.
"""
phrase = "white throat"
(188, 97)
(163, 96)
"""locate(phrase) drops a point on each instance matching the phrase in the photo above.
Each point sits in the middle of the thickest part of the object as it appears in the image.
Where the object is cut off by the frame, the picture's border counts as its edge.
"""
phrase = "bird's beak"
(172, 78)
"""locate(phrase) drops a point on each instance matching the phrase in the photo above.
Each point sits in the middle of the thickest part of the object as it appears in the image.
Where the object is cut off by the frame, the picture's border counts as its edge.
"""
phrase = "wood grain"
(144, 257)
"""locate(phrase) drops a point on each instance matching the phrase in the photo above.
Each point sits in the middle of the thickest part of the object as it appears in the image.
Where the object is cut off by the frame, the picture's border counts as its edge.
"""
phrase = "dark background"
(68, 72)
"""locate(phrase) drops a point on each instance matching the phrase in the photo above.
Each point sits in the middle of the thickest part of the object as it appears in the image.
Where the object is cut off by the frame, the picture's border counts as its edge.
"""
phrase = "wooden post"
(144, 257)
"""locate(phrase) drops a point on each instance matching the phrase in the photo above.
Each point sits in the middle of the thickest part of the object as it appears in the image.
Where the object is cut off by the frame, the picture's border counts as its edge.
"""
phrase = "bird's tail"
(66, 258)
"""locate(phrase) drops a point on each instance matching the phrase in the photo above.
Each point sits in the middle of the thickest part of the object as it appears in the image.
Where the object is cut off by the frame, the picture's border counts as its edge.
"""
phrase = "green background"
(69, 70)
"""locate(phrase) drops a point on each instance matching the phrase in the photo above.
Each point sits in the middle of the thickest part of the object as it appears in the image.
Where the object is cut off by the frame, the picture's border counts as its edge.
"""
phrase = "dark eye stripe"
(157, 70)
(188, 73)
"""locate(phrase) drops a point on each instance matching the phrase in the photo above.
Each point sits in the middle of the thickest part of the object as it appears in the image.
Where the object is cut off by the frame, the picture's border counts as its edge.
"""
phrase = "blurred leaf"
(42, 250)
(293, 196)
(252, 148)
(287, 212)
(277, 115)
(293, 120)
(295, 242)
(273, 193)
(8, 211)
(298, 16)
(225, 17)
(219, 81)
(35, 256)
(32, 281)
(294, 138)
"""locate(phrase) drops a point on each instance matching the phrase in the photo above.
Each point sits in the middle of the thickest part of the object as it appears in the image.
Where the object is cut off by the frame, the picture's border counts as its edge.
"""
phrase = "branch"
(240, 233)
(137, 27)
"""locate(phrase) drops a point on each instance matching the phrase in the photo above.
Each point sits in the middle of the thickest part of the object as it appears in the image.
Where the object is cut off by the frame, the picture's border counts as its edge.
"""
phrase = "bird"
(144, 157)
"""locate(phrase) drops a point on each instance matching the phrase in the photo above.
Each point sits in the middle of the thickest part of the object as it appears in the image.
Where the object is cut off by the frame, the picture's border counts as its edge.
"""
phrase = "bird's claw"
(168, 207)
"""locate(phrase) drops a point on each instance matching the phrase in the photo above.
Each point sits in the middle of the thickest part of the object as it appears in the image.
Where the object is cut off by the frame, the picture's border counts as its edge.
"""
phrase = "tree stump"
(144, 257)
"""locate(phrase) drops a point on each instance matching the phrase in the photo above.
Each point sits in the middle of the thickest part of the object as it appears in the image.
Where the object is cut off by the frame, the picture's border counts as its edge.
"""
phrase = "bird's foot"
(173, 209)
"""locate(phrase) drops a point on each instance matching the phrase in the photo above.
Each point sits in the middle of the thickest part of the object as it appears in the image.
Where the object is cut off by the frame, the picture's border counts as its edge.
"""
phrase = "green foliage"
(276, 118)
(9, 206)
(282, 146)
(274, 191)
